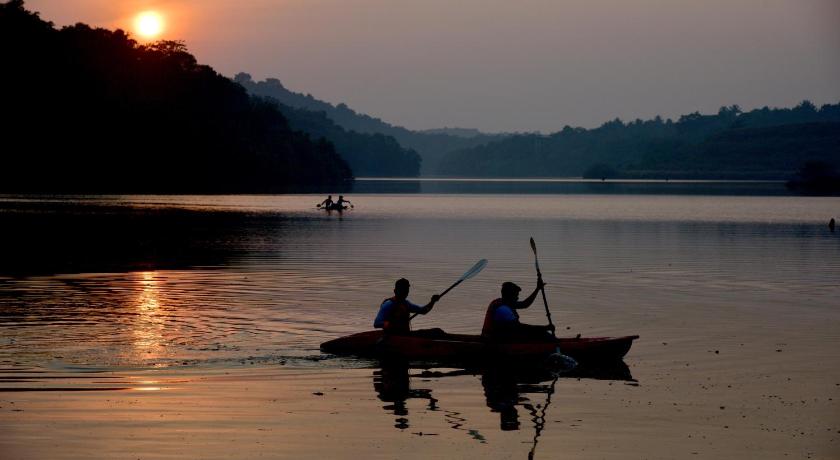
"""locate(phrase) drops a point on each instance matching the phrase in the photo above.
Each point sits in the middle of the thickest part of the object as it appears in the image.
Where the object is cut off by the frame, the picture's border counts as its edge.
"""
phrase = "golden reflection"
(148, 328)
(149, 389)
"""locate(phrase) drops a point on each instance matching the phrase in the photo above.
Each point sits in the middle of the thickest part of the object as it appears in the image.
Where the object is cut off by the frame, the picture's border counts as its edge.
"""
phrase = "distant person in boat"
(395, 313)
(327, 204)
(501, 322)
(340, 203)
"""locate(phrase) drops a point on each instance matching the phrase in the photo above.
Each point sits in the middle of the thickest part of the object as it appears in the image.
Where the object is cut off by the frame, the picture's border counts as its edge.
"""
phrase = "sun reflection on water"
(149, 389)
(148, 328)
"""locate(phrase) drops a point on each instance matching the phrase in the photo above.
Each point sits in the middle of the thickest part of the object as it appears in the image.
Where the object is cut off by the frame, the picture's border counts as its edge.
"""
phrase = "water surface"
(215, 306)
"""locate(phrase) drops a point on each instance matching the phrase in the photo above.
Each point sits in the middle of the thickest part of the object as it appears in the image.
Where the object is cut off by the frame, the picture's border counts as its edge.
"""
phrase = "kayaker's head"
(340, 197)
(510, 291)
(401, 288)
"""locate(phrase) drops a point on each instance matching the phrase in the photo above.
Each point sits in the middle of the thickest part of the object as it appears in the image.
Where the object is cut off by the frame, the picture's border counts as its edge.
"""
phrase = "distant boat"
(335, 208)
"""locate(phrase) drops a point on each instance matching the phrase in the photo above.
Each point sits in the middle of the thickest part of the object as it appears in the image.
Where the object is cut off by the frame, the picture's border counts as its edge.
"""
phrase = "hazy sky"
(505, 65)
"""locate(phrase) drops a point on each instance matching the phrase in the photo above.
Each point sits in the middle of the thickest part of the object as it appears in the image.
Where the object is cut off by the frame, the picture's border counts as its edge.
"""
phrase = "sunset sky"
(501, 65)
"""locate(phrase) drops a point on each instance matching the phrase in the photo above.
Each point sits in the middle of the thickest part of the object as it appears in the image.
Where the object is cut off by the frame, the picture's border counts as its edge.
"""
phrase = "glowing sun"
(149, 24)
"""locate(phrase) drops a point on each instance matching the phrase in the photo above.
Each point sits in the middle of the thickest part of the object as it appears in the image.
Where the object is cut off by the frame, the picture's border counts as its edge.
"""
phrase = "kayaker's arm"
(530, 299)
(428, 307)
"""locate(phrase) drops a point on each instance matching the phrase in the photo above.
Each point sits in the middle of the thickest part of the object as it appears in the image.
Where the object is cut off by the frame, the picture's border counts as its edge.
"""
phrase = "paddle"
(542, 289)
(539, 418)
(566, 362)
(475, 270)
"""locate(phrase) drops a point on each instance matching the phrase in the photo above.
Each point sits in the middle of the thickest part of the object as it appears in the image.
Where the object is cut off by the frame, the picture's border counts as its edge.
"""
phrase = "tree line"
(368, 154)
(432, 145)
(90, 110)
(766, 143)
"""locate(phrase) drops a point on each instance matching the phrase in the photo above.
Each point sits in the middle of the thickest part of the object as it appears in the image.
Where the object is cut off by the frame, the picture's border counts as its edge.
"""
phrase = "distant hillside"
(457, 132)
(92, 111)
(763, 143)
(432, 145)
(369, 155)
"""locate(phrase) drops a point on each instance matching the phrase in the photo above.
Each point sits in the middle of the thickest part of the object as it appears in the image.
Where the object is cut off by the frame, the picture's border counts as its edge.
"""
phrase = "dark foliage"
(367, 154)
(91, 110)
(600, 171)
(817, 177)
(432, 145)
(764, 143)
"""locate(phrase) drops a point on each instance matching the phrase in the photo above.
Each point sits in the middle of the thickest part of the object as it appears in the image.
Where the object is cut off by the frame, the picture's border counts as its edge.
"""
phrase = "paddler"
(501, 322)
(395, 313)
(326, 204)
(340, 203)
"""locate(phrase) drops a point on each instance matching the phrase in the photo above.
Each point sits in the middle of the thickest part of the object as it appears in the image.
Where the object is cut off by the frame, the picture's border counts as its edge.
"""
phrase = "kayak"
(441, 346)
(335, 208)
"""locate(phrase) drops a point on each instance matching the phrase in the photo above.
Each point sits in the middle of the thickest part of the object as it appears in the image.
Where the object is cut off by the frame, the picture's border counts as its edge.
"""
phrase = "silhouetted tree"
(762, 143)
(91, 110)
(431, 145)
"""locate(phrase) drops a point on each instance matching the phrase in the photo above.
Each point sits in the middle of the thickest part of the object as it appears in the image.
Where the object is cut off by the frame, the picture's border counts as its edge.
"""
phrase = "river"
(164, 326)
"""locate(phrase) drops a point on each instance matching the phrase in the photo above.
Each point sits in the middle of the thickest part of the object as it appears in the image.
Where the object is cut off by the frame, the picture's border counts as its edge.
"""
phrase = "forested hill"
(432, 145)
(369, 155)
(92, 111)
(764, 143)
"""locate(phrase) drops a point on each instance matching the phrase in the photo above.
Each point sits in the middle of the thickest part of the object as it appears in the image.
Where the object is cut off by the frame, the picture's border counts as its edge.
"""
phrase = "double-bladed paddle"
(542, 289)
(566, 362)
(475, 270)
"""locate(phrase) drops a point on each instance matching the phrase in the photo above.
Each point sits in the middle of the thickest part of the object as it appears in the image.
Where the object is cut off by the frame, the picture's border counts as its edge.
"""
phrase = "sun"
(149, 24)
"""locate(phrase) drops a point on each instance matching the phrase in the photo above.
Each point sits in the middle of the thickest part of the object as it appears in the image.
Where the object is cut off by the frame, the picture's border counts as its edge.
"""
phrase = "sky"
(502, 65)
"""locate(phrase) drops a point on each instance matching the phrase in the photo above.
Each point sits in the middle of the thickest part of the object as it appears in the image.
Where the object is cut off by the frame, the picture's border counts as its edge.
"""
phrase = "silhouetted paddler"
(340, 203)
(327, 204)
(395, 312)
(501, 322)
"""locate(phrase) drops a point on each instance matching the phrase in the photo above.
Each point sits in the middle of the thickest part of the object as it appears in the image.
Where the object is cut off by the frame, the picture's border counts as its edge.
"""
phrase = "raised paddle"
(475, 270)
(542, 289)
(557, 358)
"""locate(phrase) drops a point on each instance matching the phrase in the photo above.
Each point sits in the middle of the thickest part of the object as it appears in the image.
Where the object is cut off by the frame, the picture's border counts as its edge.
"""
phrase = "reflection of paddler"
(502, 394)
(393, 385)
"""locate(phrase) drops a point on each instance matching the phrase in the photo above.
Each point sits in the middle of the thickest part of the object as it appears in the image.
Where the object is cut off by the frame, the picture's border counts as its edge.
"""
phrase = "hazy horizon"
(533, 66)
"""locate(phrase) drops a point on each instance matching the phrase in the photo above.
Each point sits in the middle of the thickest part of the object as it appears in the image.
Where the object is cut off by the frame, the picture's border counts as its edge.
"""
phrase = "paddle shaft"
(542, 288)
(442, 294)
(539, 419)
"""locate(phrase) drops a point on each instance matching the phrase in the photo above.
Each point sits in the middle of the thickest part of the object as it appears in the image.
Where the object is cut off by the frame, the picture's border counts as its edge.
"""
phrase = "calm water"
(724, 289)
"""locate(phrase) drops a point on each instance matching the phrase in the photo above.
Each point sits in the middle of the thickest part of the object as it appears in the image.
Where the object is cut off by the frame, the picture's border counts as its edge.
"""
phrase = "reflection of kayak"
(427, 345)
(335, 208)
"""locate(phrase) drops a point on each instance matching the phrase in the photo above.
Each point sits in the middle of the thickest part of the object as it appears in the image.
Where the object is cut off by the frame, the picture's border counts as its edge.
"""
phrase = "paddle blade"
(533, 245)
(475, 270)
(560, 362)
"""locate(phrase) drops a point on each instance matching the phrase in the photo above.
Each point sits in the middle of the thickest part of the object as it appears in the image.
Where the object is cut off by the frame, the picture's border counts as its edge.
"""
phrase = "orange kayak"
(440, 346)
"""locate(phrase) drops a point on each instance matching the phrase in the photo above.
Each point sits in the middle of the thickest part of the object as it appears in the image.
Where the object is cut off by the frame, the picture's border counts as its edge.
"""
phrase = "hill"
(369, 155)
(764, 143)
(93, 111)
(432, 145)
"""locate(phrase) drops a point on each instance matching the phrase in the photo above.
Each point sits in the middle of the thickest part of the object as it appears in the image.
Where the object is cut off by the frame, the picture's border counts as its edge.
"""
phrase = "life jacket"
(398, 319)
(489, 328)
